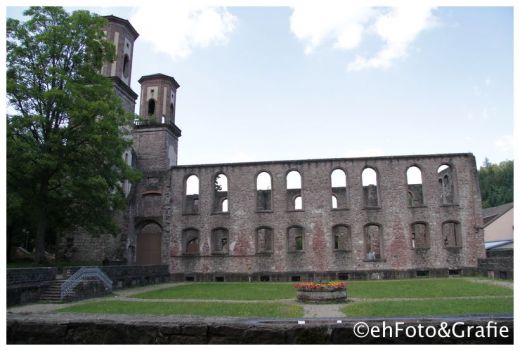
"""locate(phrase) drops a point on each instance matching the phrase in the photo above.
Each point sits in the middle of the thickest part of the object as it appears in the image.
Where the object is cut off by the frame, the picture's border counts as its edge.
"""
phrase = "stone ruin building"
(281, 220)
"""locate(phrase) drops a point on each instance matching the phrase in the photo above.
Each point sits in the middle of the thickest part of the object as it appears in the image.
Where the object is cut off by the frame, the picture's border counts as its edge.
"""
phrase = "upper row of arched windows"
(338, 181)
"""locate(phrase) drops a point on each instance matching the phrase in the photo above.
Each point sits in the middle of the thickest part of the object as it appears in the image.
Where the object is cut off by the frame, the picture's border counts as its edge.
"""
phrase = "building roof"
(159, 76)
(489, 215)
(502, 244)
(124, 22)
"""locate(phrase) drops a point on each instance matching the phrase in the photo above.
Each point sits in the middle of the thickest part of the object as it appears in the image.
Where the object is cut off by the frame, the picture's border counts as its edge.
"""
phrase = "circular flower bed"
(312, 292)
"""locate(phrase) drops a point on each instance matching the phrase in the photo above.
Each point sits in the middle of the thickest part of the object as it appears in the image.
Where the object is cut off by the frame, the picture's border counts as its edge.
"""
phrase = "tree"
(496, 183)
(66, 138)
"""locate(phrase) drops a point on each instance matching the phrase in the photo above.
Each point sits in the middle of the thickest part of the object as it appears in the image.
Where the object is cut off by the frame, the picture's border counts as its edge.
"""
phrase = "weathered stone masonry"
(240, 229)
(318, 256)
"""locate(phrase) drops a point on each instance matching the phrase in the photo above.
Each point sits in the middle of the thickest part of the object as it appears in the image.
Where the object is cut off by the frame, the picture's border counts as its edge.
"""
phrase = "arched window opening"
(298, 203)
(420, 236)
(446, 183)
(415, 189)
(451, 234)
(224, 206)
(334, 201)
(126, 66)
(263, 192)
(151, 107)
(294, 191)
(191, 241)
(338, 181)
(219, 240)
(341, 237)
(191, 200)
(264, 240)
(220, 193)
(373, 242)
(295, 240)
(370, 187)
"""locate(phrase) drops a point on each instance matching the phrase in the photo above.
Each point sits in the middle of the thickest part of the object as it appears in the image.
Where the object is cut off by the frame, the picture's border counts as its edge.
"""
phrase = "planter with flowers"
(330, 292)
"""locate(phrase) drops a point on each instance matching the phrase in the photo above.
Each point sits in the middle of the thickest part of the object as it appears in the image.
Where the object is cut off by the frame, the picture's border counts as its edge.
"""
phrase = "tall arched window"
(294, 191)
(451, 234)
(370, 187)
(126, 66)
(151, 107)
(263, 192)
(415, 189)
(191, 241)
(295, 239)
(219, 241)
(338, 181)
(420, 236)
(341, 238)
(191, 200)
(264, 240)
(373, 242)
(446, 177)
(220, 193)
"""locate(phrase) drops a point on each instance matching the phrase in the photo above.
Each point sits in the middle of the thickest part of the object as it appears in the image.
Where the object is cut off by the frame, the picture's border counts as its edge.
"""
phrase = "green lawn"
(224, 291)
(190, 308)
(442, 287)
(429, 307)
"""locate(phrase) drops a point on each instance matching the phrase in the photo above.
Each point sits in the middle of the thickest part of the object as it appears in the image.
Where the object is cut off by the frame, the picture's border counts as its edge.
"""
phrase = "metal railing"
(84, 273)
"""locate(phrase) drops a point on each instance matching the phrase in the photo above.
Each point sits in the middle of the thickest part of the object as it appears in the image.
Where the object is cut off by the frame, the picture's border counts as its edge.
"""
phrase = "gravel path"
(322, 310)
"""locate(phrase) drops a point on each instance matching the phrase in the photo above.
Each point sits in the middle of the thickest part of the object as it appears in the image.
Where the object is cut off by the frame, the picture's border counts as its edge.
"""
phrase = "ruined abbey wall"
(392, 218)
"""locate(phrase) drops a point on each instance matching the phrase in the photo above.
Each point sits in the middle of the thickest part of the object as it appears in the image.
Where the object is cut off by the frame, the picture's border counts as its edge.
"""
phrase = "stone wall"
(394, 217)
(81, 329)
(25, 285)
(498, 264)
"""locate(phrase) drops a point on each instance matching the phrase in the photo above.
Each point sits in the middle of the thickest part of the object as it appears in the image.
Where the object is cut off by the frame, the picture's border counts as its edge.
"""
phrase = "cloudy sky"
(315, 81)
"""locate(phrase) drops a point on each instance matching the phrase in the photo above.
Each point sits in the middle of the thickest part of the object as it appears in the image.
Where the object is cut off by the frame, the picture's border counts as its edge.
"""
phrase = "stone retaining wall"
(25, 285)
(81, 329)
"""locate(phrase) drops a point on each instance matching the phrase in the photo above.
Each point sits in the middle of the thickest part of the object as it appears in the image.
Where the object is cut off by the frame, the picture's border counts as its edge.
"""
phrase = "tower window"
(126, 66)
(151, 107)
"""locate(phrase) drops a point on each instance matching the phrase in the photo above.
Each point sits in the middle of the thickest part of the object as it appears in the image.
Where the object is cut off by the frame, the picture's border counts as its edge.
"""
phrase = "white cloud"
(345, 27)
(177, 30)
(505, 143)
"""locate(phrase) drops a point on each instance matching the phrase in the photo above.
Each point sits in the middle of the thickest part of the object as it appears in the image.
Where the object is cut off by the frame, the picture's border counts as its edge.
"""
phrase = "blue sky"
(273, 83)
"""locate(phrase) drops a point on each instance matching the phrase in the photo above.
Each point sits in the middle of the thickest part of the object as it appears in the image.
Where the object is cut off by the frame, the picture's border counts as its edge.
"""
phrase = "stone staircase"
(53, 293)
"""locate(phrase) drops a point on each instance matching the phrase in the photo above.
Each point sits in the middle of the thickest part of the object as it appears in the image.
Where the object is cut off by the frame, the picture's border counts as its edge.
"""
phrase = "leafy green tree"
(66, 138)
(496, 183)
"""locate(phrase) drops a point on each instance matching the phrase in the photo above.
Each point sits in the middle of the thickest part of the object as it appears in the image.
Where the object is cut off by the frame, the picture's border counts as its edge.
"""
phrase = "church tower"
(122, 35)
(155, 134)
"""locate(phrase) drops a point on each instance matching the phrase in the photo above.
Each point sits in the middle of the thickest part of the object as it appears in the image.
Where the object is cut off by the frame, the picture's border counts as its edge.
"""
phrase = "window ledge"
(375, 261)
(449, 205)
(418, 206)
(299, 252)
(264, 211)
(372, 207)
(340, 209)
(264, 253)
(220, 213)
(190, 214)
(219, 253)
(190, 255)
(295, 211)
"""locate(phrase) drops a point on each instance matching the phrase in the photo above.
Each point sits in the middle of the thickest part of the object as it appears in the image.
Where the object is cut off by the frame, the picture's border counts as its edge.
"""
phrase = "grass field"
(442, 287)
(429, 307)
(224, 291)
(190, 308)
(448, 296)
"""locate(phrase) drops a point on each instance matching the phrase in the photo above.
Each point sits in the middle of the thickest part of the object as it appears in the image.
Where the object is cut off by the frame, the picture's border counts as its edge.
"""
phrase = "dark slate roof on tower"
(159, 76)
(112, 18)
